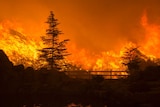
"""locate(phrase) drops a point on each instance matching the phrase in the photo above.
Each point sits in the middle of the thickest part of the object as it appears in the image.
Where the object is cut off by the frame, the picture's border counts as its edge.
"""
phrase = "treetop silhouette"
(54, 51)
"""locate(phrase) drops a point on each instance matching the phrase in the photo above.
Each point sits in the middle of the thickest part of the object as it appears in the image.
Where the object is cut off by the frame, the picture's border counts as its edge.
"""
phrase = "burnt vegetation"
(53, 88)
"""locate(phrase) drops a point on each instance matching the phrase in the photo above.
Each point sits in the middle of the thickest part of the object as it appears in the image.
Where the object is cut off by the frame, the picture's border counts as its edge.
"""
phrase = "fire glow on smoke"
(23, 49)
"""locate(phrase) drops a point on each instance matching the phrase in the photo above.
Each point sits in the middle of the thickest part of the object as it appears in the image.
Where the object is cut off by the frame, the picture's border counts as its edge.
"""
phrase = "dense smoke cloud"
(97, 25)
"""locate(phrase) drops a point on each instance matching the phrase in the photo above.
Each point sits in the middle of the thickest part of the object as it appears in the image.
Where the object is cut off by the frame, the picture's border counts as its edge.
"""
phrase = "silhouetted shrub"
(98, 78)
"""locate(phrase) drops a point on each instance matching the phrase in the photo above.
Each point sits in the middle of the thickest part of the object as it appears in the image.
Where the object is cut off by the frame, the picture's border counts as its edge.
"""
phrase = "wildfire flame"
(19, 48)
(151, 43)
(110, 60)
(23, 49)
(91, 61)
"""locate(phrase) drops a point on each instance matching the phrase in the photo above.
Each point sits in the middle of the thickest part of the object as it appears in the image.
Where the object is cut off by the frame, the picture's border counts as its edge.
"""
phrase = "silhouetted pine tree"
(55, 51)
(133, 59)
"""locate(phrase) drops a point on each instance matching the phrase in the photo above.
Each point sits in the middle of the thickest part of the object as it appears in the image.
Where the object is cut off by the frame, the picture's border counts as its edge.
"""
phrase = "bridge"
(88, 74)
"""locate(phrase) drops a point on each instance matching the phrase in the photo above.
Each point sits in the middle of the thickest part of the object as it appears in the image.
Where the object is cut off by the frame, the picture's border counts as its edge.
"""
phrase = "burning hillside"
(23, 49)
(20, 48)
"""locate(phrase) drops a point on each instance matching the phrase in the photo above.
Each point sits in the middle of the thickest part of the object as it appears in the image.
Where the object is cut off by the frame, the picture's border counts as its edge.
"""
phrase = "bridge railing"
(105, 74)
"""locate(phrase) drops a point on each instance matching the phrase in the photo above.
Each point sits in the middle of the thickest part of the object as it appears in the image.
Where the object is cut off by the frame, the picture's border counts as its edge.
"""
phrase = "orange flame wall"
(22, 48)
(111, 60)
(151, 43)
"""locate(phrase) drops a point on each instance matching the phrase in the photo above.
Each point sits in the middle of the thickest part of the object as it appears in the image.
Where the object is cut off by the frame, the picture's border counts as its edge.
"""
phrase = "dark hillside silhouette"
(6, 74)
(20, 85)
(4, 61)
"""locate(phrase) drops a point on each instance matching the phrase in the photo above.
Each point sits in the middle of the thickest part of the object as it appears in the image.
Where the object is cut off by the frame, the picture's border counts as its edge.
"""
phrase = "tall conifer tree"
(55, 51)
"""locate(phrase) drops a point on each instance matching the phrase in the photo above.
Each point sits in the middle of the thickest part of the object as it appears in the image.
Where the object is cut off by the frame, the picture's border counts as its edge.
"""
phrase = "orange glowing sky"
(96, 25)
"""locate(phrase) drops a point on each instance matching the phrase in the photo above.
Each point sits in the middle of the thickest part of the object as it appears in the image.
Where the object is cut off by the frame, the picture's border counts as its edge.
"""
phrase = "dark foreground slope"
(25, 86)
